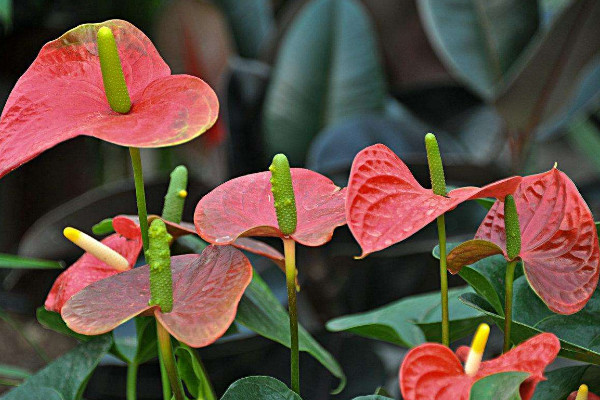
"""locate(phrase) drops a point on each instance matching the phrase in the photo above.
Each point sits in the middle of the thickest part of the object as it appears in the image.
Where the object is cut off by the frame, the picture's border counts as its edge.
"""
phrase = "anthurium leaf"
(139, 347)
(43, 393)
(9, 371)
(382, 392)
(191, 372)
(411, 321)
(470, 252)
(479, 41)
(501, 386)
(259, 388)
(486, 203)
(584, 135)
(327, 69)
(52, 320)
(68, 374)
(560, 383)
(260, 311)
(103, 227)
(17, 262)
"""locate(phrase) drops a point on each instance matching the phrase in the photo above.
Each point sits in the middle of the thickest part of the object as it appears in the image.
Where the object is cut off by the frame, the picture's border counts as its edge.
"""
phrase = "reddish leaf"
(432, 372)
(470, 252)
(244, 207)
(206, 291)
(591, 396)
(88, 269)
(559, 242)
(385, 203)
(61, 96)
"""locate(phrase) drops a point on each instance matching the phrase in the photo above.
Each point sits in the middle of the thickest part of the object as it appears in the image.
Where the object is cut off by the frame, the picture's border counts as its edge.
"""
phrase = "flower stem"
(164, 378)
(289, 247)
(441, 225)
(164, 344)
(140, 194)
(510, 275)
(132, 370)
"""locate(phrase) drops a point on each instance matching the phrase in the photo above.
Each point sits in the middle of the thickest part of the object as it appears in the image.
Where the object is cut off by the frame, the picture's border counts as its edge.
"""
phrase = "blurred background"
(508, 86)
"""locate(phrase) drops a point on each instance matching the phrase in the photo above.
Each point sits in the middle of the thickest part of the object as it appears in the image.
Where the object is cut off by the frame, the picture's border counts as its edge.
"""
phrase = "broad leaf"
(560, 383)
(66, 375)
(61, 96)
(192, 372)
(52, 320)
(17, 262)
(411, 321)
(206, 292)
(328, 68)
(479, 41)
(244, 207)
(470, 252)
(260, 311)
(584, 135)
(259, 388)
(140, 347)
(502, 386)
(385, 204)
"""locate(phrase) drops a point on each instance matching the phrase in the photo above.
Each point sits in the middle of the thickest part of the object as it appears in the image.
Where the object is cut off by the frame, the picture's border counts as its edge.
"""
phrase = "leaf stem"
(164, 344)
(140, 194)
(164, 378)
(289, 249)
(510, 276)
(132, 371)
(441, 225)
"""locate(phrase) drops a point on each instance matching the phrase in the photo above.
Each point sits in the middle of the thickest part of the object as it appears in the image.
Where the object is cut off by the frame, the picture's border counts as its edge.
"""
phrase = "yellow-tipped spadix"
(477, 348)
(101, 251)
(582, 393)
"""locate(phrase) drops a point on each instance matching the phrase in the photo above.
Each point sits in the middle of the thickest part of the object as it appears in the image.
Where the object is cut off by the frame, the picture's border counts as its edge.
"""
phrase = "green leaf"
(502, 386)
(68, 374)
(259, 388)
(327, 69)
(6, 14)
(486, 202)
(53, 320)
(585, 137)
(192, 372)
(43, 393)
(381, 391)
(260, 312)
(412, 321)
(17, 262)
(141, 347)
(479, 41)
(251, 22)
(103, 227)
(8, 371)
(560, 383)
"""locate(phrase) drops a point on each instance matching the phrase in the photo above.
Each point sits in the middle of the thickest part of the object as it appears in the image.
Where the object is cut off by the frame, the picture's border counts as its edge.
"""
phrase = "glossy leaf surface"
(259, 388)
(206, 292)
(431, 371)
(244, 207)
(559, 383)
(502, 386)
(61, 96)
(412, 321)
(88, 269)
(559, 240)
(385, 204)
(66, 375)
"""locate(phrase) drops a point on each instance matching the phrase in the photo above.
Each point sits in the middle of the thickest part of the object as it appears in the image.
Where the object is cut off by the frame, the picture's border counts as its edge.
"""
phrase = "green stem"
(164, 344)
(132, 370)
(207, 391)
(289, 247)
(164, 378)
(140, 194)
(441, 225)
(510, 276)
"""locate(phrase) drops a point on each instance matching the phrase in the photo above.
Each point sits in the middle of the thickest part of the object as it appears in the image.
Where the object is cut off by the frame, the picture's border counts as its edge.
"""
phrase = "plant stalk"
(441, 225)
(140, 194)
(164, 378)
(289, 247)
(132, 371)
(164, 344)
(510, 276)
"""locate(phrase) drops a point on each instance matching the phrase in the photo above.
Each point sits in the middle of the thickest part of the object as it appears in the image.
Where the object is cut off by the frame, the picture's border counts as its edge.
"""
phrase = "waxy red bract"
(433, 372)
(61, 96)
(385, 204)
(206, 291)
(244, 207)
(127, 241)
(559, 242)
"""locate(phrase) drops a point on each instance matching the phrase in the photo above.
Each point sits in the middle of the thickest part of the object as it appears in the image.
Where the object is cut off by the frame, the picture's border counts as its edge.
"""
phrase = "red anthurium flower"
(385, 204)
(88, 269)
(559, 242)
(244, 207)
(433, 372)
(206, 291)
(61, 96)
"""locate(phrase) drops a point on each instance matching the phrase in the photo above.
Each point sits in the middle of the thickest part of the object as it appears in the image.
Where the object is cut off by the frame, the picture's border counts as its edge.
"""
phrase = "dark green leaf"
(585, 137)
(43, 393)
(6, 14)
(560, 383)
(259, 388)
(8, 371)
(411, 321)
(382, 392)
(103, 227)
(502, 386)
(260, 312)
(16, 262)
(53, 320)
(140, 347)
(486, 203)
(328, 68)
(68, 374)
(192, 372)
(479, 41)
